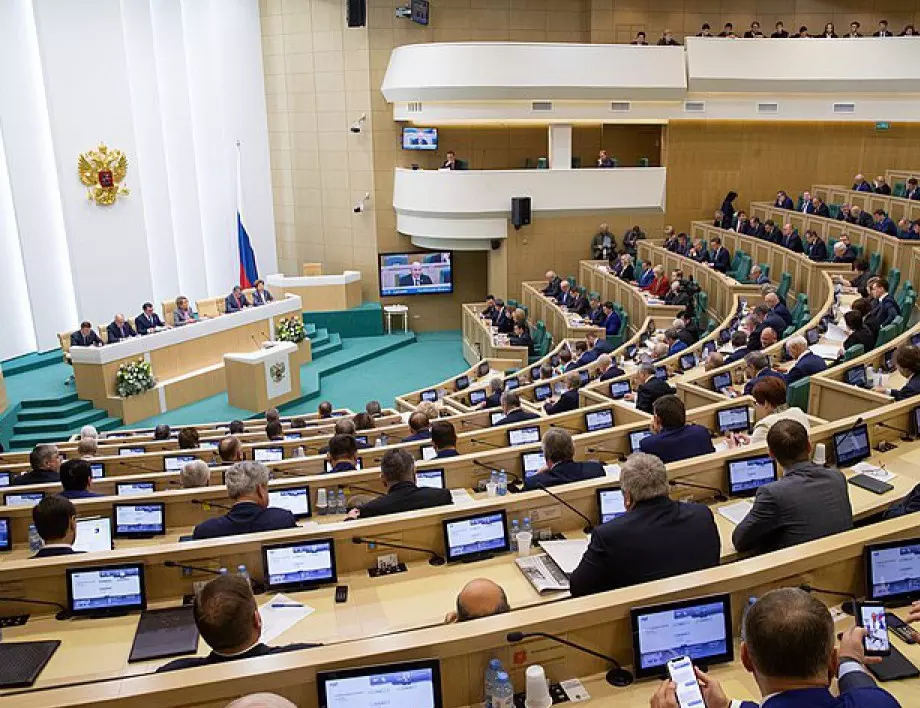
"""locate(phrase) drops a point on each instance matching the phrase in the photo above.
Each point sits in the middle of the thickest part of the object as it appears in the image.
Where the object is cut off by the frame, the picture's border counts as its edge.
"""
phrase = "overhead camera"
(356, 126)
(359, 207)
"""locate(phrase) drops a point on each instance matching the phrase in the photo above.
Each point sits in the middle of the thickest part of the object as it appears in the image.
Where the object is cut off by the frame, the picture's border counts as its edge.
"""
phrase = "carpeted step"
(59, 425)
(30, 362)
(332, 343)
(64, 410)
(46, 402)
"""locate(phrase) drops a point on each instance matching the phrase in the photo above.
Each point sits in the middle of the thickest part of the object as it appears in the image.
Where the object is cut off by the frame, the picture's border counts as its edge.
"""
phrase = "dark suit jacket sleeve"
(760, 522)
(593, 573)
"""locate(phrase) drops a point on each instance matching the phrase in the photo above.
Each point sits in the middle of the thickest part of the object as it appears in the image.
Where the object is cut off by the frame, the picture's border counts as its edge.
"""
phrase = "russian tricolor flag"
(249, 271)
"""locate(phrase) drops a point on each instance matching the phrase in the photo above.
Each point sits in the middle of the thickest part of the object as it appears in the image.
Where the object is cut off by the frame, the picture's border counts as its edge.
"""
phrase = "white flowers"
(134, 378)
(291, 329)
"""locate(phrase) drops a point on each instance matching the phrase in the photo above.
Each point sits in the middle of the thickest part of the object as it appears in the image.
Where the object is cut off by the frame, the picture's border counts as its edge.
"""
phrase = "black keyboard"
(22, 662)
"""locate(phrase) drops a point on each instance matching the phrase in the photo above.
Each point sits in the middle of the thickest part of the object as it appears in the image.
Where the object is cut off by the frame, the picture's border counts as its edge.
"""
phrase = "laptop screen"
(106, 589)
(532, 462)
(295, 499)
(174, 464)
(747, 474)
(140, 519)
(93, 535)
(268, 454)
(637, 437)
(416, 684)
(852, 446)
(476, 535)
(299, 565)
(433, 479)
(477, 396)
(734, 419)
(618, 389)
(524, 436)
(127, 489)
(23, 498)
(893, 571)
(599, 420)
(611, 504)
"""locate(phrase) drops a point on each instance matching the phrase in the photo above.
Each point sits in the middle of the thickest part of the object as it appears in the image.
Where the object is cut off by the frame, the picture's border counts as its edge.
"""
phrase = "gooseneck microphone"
(477, 441)
(201, 502)
(621, 455)
(194, 568)
(436, 558)
(906, 435)
(64, 613)
(364, 489)
(617, 676)
(589, 527)
(848, 607)
(719, 494)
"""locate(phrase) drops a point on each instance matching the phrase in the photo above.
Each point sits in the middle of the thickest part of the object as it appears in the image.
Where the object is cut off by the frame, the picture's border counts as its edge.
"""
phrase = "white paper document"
(835, 333)
(826, 351)
(879, 473)
(461, 496)
(566, 554)
(280, 614)
(736, 512)
(612, 471)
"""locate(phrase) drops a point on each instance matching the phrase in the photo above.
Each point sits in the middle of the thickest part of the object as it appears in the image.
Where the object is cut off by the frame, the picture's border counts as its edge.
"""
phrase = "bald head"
(768, 337)
(261, 700)
(481, 598)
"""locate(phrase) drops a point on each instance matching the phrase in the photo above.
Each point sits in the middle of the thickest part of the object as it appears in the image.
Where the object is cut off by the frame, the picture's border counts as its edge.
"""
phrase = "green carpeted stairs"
(322, 341)
(52, 419)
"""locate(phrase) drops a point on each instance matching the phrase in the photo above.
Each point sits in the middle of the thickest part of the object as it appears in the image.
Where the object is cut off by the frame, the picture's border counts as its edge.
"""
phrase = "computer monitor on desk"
(476, 537)
(295, 499)
(532, 462)
(97, 469)
(893, 572)
(140, 520)
(430, 478)
(852, 445)
(618, 389)
(636, 437)
(734, 420)
(610, 503)
(416, 684)
(746, 475)
(299, 566)
(524, 436)
(104, 590)
(268, 454)
(127, 489)
(6, 538)
(598, 420)
(176, 462)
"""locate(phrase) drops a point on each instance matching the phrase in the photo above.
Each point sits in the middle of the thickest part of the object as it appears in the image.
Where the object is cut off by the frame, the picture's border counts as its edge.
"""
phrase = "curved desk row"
(479, 341)
(559, 322)
(896, 207)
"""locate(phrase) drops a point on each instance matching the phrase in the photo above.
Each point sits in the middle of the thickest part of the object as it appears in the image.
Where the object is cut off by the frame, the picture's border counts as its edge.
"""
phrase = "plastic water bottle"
(502, 483)
(379, 441)
(526, 528)
(242, 571)
(343, 507)
(299, 451)
(222, 571)
(35, 541)
(515, 529)
(383, 439)
(491, 675)
(503, 693)
(744, 613)
(493, 480)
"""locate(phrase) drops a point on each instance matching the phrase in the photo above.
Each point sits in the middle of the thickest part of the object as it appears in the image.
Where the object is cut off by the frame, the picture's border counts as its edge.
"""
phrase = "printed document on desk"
(736, 512)
(566, 554)
(280, 614)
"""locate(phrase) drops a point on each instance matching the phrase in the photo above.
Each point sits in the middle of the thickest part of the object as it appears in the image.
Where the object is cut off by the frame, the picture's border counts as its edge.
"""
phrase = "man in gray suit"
(808, 502)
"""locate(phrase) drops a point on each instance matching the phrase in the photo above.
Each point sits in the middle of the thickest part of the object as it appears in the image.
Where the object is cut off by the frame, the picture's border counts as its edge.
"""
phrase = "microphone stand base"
(436, 560)
(619, 678)
(376, 572)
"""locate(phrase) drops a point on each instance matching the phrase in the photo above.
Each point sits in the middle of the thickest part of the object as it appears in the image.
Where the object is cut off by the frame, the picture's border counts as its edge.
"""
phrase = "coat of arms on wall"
(102, 172)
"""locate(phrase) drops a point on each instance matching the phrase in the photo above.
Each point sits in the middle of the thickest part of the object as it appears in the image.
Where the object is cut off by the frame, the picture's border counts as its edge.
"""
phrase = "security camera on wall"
(356, 126)
(359, 207)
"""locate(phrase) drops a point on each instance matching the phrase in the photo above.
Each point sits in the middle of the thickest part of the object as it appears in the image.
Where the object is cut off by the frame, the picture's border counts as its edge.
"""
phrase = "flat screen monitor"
(430, 395)
(812, 336)
(97, 469)
(748, 473)
(5, 479)
(734, 419)
(584, 376)
(106, 589)
(93, 534)
(174, 463)
(637, 437)
(425, 273)
(295, 499)
(496, 416)
(535, 373)
(415, 683)
(477, 396)
(725, 336)
(524, 436)
(292, 436)
(700, 629)
(478, 535)
(430, 478)
(855, 376)
(462, 382)
(6, 536)
(893, 571)
(889, 361)
(720, 381)
(300, 565)
(213, 444)
(140, 520)
(618, 389)
(512, 384)
(483, 369)
(610, 504)
(126, 451)
(599, 420)
(419, 11)
(661, 372)
(631, 351)
(532, 462)
(852, 446)
(128, 489)
(361, 440)
(327, 465)
(268, 454)
(428, 452)
(915, 340)
(687, 361)
(419, 138)
(542, 392)
(23, 498)
(709, 348)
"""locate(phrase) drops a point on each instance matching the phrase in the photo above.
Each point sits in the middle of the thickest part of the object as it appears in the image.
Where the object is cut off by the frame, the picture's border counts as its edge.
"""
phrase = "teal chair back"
(797, 394)
(900, 189)
(834, 210)
(782, 290)
(765, 269)
(875, 262)
(886, 334)
(743, 270)
(853, 352)
(788, 331)
(831, 242)
(894, 279)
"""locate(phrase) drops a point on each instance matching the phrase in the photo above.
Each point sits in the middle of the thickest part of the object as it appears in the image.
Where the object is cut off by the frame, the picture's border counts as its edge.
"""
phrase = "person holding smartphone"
(789, 648)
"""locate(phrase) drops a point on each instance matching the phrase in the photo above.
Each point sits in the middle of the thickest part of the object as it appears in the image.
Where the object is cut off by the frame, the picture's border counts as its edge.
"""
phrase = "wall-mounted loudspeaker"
(356, 12)
(520, 211)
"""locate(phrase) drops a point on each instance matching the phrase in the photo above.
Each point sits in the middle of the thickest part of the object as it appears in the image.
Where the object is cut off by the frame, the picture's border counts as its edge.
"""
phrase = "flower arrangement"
(291, 329)
(133, 378)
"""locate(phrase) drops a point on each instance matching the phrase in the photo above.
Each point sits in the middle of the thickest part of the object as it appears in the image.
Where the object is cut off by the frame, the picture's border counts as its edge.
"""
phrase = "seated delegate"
(444, 439)
(568, 401)
(247, 486)
(561, 468)
(770, 407)
(656, 538)
(479, 598)
(183, 314)
(418, 427)
(85, 336)
(119, 329)
(511, 407)
(343, 453)
(45, 461)
(55, 520)
(236, 300)
(672, 439)
(648, 388)
(76, 479)
(907, 359)
(261, 296)
(148, 320)
(397, 473)
(806, 362)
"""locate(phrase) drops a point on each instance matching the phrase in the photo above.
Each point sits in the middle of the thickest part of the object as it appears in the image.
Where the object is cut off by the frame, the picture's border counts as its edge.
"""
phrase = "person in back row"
(810, 501)
(607, 368)
(397, 472)
(806, 361)
(568, 401)
(647, 387)
(229, 622)
(247, 486)
(770, 407)
(194, 474)
(444, 438)
(55, 520)
(560, 468)
(672, 439)
(324, 409)
(907, 359)
(45, 461)
(418, 427)
(511, 407)
(343, 453)
(494, 398)
(479, 598)
(230, 449)
(162, 432)
(639, 546)
(188, 438)
(76, 479)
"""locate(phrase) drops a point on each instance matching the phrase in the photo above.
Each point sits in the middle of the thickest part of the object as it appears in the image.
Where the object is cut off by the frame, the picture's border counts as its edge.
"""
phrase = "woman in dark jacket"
(728, 209)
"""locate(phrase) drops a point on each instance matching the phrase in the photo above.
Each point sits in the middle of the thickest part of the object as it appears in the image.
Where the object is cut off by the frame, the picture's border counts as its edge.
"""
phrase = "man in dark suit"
(119, 329)
(757, 367)
(45, 461)
(419, 428)
(511, 407)
(809, 502)
(648, 388)
(342, 453)
(521, 337)
(596, 312)
(783, 201)
(451, 162)
(85, 336)
(912, 190)
(859, 333)
(883, 223)
(860, 184)
(672, 438)
(568, 401)
(494, 398)
(612, 322)
(55, 520)
(859, 217)
(504, 320)
(883, 30)
(639, 546)
(779, 31)
(607, 368)
(778, 308)
(886, 309)
(416, 278)
(739, 344)
(791, 239)
(816, 249)
(236, 300)
(718, 256)
(821, 209)
(229, 622)
(767, 231)
(843, 253)
(566, 297)
(247, 486)
(806, 204)
(764, 317)
(806, 363)
(560, 468)
(147, 320)
(444, 439)
(397, 472)
(553, 284)
(76, 479)
(788, 646)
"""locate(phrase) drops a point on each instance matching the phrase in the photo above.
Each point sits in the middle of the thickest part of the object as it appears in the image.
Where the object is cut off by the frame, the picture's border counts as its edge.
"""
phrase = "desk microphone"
(436, 558)
(617, 676)
(487, 467)
(848, 607)
(64, 613)
(255, 341)
(589, 527)
(577, 431)
(194, 568)
(849, 432)
(477, 441)
(365, 489)
(905, 434)
(719, 494)
(621, 456)
(201, 502)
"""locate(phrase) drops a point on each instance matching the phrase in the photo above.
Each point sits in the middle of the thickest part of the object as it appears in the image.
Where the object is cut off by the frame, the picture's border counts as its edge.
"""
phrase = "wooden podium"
(263, 379)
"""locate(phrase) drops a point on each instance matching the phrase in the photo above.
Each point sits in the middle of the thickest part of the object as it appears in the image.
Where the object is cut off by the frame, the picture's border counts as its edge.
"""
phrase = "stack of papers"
(835, 333)
(612, 471)
(826, 351)
(461, 496)
(280, 614)
(566, 554)
(737, 511)
(870, 470)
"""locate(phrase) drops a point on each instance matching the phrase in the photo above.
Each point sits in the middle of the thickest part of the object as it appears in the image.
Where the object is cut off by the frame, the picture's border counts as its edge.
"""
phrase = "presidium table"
(187, 362)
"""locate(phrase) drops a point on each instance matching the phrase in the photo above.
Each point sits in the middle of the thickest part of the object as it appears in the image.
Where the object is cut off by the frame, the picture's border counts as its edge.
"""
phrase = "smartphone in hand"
(689, 694)
(872, 617)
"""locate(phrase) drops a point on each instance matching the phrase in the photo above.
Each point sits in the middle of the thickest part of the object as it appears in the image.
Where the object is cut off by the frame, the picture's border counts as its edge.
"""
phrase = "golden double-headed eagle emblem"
(102, 172)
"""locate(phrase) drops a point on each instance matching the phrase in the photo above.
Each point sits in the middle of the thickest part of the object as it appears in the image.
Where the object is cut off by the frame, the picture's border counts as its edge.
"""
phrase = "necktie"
(416, 282)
